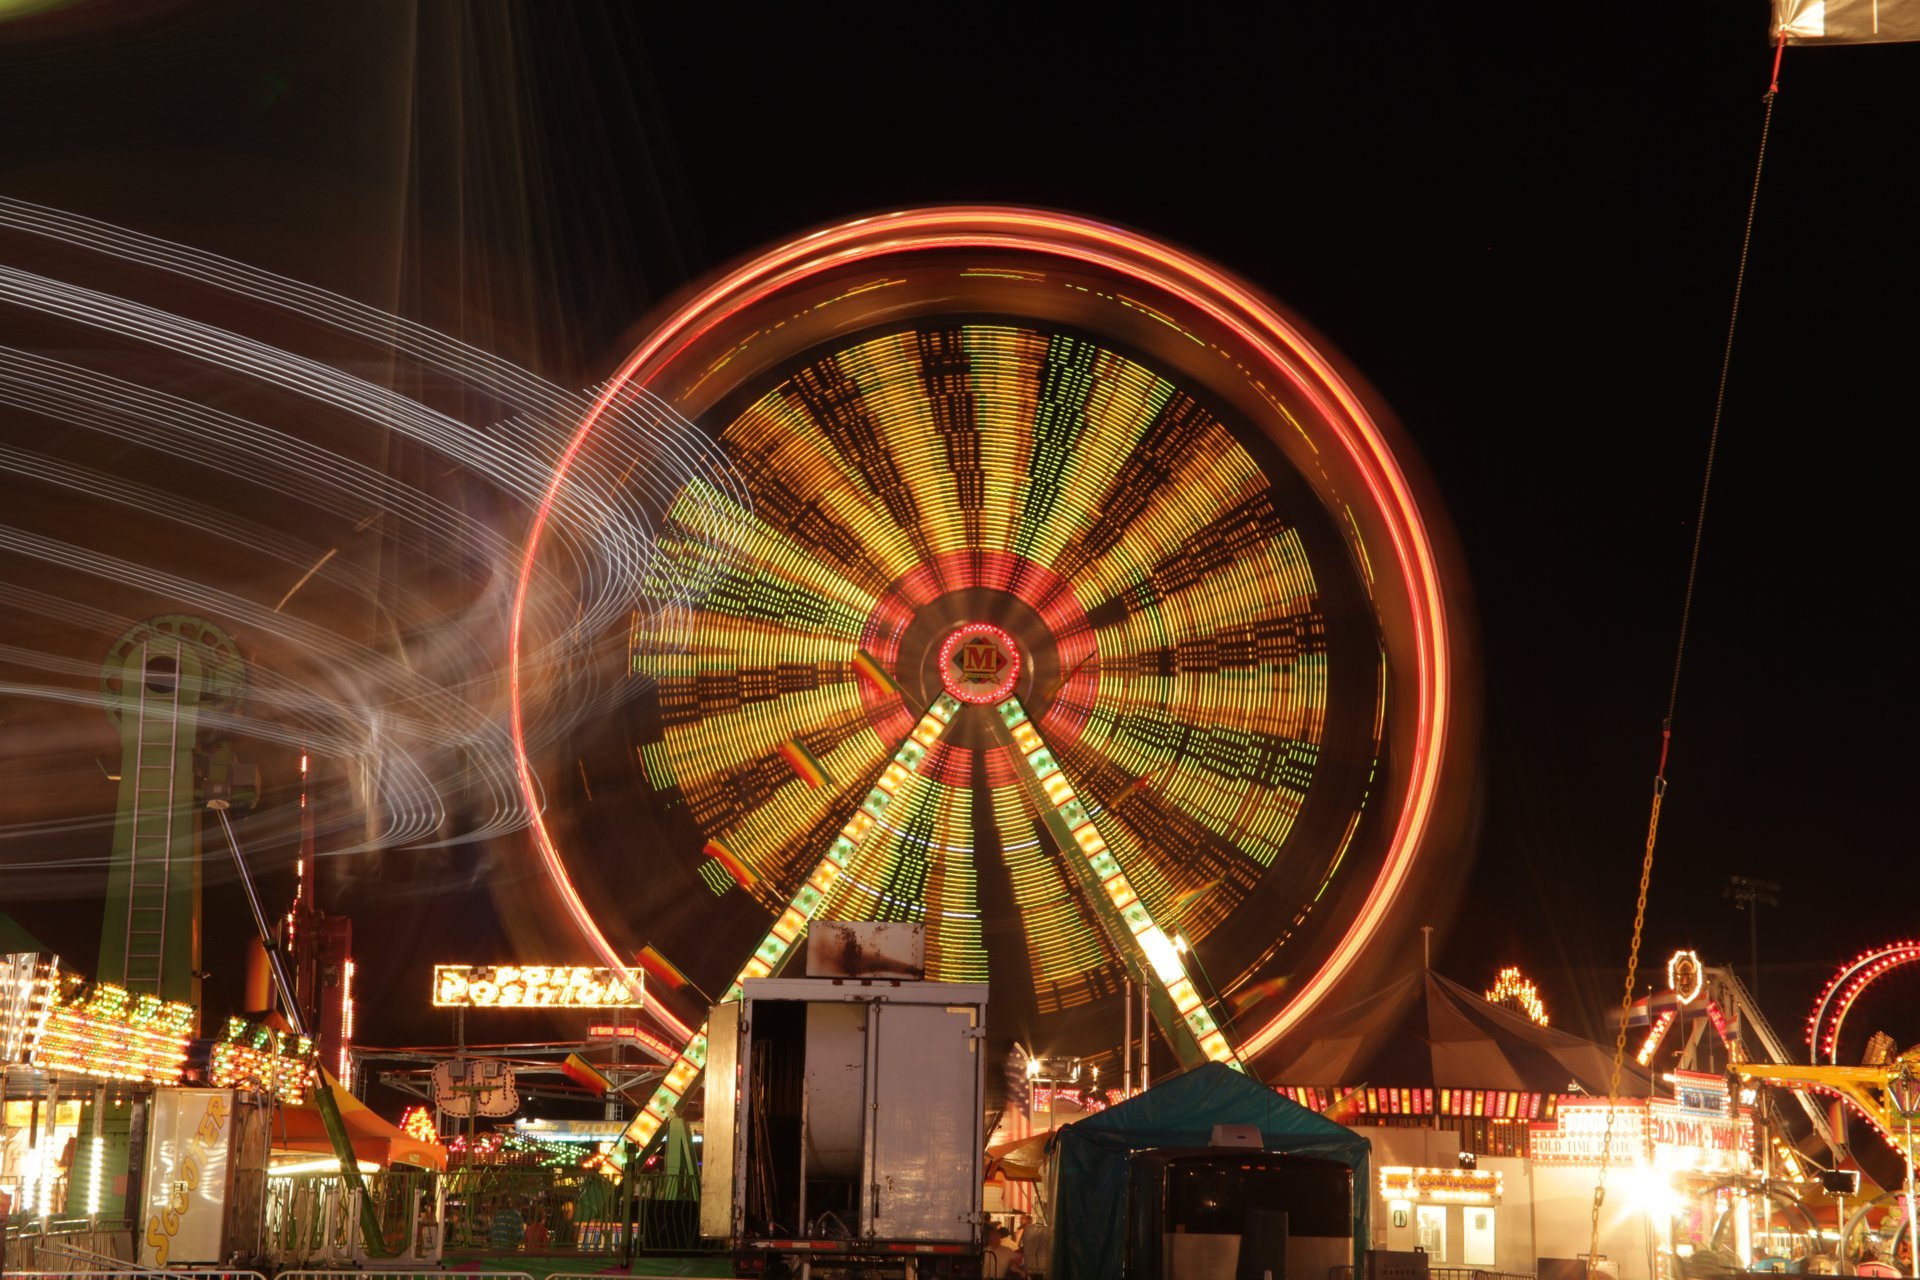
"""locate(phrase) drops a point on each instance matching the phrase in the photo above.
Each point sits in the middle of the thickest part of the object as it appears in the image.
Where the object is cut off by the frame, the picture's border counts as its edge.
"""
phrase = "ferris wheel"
(1075, 609)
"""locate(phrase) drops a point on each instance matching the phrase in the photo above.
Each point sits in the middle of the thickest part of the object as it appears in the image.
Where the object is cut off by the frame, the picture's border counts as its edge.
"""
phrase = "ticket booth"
(1449, 1214)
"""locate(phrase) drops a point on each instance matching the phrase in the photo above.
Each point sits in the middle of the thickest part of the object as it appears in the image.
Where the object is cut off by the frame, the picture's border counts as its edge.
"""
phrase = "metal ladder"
(150, 856)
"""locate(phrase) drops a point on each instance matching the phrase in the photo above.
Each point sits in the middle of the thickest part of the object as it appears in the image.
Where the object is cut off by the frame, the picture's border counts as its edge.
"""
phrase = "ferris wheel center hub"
(979, 663)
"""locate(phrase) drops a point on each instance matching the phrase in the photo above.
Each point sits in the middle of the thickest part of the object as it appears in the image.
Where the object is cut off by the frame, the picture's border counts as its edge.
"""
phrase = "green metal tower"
(160, 682)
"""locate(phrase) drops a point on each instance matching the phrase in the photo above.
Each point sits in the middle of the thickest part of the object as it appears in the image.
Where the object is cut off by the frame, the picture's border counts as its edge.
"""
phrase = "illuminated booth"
(79, 1063)
(1449, 1084)
(94, 1075)
(1681, 1177)
(1446, 1213)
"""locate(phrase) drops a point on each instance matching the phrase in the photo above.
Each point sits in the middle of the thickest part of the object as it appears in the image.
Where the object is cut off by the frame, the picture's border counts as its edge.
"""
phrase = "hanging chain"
(1626, 1006)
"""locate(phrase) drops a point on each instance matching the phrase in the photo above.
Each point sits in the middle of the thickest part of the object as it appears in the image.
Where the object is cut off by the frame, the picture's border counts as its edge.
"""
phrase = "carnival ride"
(1883, 1087)
(1079, 610)
(1709, 1021)
(165, 684)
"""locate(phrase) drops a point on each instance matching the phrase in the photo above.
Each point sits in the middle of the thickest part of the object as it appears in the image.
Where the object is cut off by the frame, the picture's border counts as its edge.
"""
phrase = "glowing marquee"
(1686, 976)
(507, 986)
(1452, 1186)
(28, 989)
(1698, 1130)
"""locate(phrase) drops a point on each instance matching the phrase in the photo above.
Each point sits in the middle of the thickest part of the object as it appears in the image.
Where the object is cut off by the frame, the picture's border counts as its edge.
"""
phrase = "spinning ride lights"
(1080, 615)
(1846, 987)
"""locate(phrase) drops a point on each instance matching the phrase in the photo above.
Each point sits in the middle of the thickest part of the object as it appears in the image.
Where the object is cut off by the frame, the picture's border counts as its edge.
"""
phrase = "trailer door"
(924, 1136)
(722, 1133)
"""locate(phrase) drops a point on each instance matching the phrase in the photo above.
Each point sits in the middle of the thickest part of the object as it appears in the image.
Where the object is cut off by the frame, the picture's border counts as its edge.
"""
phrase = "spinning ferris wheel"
(1080, 613)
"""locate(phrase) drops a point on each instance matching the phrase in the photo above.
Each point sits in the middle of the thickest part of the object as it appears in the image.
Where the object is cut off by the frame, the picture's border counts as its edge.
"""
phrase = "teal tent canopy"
(1088, 1170)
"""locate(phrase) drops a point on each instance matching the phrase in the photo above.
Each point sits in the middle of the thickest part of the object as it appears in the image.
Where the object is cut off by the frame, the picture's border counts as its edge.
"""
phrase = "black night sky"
(1519, 223)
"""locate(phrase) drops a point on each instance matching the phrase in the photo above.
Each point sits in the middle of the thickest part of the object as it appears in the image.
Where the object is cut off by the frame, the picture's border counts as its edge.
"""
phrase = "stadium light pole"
(1749, 895)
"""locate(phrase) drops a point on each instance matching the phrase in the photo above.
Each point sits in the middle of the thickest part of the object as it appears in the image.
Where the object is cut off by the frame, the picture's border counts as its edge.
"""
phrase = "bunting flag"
(660, 969)
(1247, 997)
(1191, 896)
(735, 868)
(869, 666)
(1126, 792)
(586, 1075)
(1016, 1121)
(801, 761)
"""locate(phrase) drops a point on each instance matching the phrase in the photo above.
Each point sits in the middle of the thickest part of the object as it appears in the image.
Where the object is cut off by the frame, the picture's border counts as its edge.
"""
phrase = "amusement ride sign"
(979, 663)
(1697, 1129)
(508, 986)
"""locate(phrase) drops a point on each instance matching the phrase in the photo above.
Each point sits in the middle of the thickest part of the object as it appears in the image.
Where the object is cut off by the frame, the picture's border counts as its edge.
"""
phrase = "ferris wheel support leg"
(1145, 946)
(775, 948)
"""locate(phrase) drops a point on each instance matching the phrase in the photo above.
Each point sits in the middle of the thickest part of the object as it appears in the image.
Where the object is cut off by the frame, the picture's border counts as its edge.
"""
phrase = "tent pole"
(1126, 1040)
(1146, 1038)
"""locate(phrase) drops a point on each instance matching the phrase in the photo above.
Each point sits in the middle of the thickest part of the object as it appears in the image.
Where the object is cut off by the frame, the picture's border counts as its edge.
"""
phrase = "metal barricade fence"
(316, 1217)
(558, 1212)
(565, 1211)
(1346, 1272)
(506, 1210)
(666, 1215)
(67, 1247)
(483, 1210)
(130, 1272)
(374, 1273)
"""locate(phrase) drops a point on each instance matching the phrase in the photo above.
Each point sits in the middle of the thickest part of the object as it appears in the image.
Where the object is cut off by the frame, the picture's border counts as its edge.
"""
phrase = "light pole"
(1903, 1090)
(1051, 1072)
(1749, 895)
(1033, 1081)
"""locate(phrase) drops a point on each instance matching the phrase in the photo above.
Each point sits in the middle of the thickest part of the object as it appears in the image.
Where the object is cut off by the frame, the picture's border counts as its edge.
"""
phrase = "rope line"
(1673, 690)
(1719, 410)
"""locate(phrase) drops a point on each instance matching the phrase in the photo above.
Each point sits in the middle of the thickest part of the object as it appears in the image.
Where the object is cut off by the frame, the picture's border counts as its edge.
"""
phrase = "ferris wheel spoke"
(1178, 1008)
(806, 494)
(718, 736)
(1159, 511)
(805, 904)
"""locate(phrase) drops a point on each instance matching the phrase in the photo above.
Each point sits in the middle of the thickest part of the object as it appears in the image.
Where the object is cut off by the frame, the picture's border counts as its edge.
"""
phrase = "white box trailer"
(844, 1127)
(204, 1183)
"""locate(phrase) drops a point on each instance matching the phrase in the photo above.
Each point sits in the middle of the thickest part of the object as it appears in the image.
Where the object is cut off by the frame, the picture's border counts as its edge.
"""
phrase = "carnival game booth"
(1448, 1086)
(1199, 1175)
